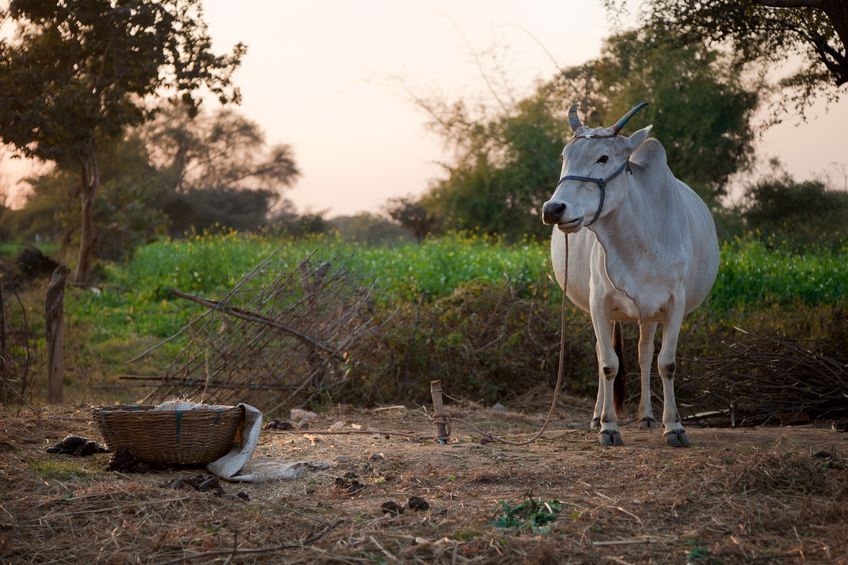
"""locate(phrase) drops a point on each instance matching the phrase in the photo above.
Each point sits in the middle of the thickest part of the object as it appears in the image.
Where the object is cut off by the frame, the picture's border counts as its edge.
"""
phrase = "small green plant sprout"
(532, 514)
(699, 555)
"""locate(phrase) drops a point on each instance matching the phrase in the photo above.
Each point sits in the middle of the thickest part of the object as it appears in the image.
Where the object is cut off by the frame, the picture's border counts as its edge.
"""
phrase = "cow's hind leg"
(674, 433)
(646, 358)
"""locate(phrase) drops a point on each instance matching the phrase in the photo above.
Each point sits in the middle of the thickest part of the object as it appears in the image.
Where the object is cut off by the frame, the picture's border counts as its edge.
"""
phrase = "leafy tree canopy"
(221, 171)
(700, 108)
(505, 165)
(775, 33)
(75, 74)
(221, 149)
(795, 212)
(411, 213)
(369, 228)
(173, 175)
(504, 170)
(217, 208)
(128, 209)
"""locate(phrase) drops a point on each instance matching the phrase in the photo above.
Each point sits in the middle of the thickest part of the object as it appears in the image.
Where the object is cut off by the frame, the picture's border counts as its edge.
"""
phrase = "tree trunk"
(54, 312)
(834, 58)
(89, 183)
(837, 11)
(4, 377)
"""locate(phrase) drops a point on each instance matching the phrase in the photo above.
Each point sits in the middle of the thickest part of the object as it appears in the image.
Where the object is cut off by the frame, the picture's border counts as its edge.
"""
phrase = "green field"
(487, 322)
(135, 299)
(753, 273)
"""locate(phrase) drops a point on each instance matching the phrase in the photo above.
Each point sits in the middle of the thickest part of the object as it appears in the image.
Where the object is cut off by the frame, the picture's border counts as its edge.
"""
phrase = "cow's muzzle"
(571, 226)
(553, 212)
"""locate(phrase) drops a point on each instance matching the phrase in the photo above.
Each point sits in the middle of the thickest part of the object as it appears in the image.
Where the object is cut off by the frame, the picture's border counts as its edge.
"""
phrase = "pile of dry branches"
(767, 380)
(273, 344)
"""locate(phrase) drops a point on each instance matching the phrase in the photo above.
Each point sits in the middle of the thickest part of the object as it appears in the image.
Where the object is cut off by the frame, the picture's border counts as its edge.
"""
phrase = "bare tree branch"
(790, 3)
(254, 317)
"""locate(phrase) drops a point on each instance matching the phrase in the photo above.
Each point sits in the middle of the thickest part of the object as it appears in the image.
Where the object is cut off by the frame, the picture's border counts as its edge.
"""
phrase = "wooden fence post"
(440, 419)
(311, 281)
(55, 324)
(4, 377)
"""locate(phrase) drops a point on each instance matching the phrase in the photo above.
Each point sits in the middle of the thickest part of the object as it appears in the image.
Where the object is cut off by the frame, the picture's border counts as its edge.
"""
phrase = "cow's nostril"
(552, 212)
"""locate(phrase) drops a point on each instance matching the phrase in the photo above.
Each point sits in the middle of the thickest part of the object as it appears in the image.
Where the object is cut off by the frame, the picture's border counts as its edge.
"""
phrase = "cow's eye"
(603, 159)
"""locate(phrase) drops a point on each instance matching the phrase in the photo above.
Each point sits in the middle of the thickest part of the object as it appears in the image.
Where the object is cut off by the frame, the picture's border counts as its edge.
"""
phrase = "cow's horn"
(573, 120)
(626, 117)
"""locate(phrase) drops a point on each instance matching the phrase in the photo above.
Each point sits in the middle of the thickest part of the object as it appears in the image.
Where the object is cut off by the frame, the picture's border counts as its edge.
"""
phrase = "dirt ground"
(735, 496)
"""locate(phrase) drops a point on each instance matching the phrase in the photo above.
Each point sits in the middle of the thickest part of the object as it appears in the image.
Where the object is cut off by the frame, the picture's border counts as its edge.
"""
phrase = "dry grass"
(736, 496)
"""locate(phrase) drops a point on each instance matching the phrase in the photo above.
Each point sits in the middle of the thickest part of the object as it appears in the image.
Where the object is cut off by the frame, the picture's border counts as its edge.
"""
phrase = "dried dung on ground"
(735, 496)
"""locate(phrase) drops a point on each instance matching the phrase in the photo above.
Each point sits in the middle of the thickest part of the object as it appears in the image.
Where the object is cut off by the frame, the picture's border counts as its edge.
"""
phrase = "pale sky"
(317, 76)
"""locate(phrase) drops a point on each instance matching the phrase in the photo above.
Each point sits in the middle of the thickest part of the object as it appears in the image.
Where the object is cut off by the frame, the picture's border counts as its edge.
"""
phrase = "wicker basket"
(181, 437)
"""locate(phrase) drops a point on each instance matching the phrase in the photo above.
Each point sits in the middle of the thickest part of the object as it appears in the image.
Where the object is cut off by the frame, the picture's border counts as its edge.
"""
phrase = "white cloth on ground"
(239, 465)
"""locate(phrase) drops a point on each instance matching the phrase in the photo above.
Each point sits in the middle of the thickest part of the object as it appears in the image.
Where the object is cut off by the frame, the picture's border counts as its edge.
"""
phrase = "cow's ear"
(638, 138)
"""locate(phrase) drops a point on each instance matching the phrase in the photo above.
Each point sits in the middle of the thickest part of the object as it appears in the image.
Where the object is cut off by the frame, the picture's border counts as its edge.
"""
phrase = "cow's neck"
(644, 227)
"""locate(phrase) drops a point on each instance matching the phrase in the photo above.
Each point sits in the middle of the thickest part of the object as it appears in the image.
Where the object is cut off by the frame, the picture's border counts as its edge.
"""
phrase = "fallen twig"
(417, 437)
(253, 551)
(631, 541)
(110, 508)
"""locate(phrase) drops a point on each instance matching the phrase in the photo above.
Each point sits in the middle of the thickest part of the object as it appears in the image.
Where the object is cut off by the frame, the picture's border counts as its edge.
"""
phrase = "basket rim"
(149, 409)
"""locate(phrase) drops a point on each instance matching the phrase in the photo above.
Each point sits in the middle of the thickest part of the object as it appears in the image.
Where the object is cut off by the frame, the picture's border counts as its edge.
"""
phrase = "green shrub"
(484, 341)
(473, 311)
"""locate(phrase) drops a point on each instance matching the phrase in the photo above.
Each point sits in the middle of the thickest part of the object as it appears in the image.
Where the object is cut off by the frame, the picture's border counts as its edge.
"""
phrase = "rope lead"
(488, 437)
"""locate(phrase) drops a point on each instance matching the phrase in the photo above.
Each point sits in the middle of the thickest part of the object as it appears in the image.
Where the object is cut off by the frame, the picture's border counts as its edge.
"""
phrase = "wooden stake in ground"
(3, 376)
(439, 417)
(55, 324)
(311, 281)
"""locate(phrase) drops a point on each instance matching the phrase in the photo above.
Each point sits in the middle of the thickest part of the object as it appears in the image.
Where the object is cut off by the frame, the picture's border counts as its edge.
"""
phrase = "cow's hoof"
(647, 423)
(595, 424)
(608, 438)
(677, 438)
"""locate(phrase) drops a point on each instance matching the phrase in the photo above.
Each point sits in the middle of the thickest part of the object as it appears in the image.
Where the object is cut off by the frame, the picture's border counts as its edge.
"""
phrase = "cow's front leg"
(646, 358)
(674, 433)
(599, 399)
(607, 369)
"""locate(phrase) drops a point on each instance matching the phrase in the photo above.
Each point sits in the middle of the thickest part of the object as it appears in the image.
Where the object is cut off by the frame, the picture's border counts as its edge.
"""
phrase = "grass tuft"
(59, 470)
(533, 515)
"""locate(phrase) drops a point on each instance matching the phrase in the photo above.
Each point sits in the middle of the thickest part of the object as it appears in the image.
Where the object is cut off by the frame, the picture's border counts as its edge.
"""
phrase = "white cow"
(649, 254)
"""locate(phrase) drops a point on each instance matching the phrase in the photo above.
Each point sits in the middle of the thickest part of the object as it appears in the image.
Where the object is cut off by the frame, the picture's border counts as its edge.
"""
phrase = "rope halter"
(574, 122)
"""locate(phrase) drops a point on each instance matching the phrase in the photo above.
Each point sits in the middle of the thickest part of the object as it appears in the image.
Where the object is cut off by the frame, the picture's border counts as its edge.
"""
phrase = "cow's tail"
(618, 384)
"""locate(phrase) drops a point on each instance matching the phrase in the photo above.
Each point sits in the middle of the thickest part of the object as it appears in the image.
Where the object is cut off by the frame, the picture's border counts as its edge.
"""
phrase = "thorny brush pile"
(491, 342)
